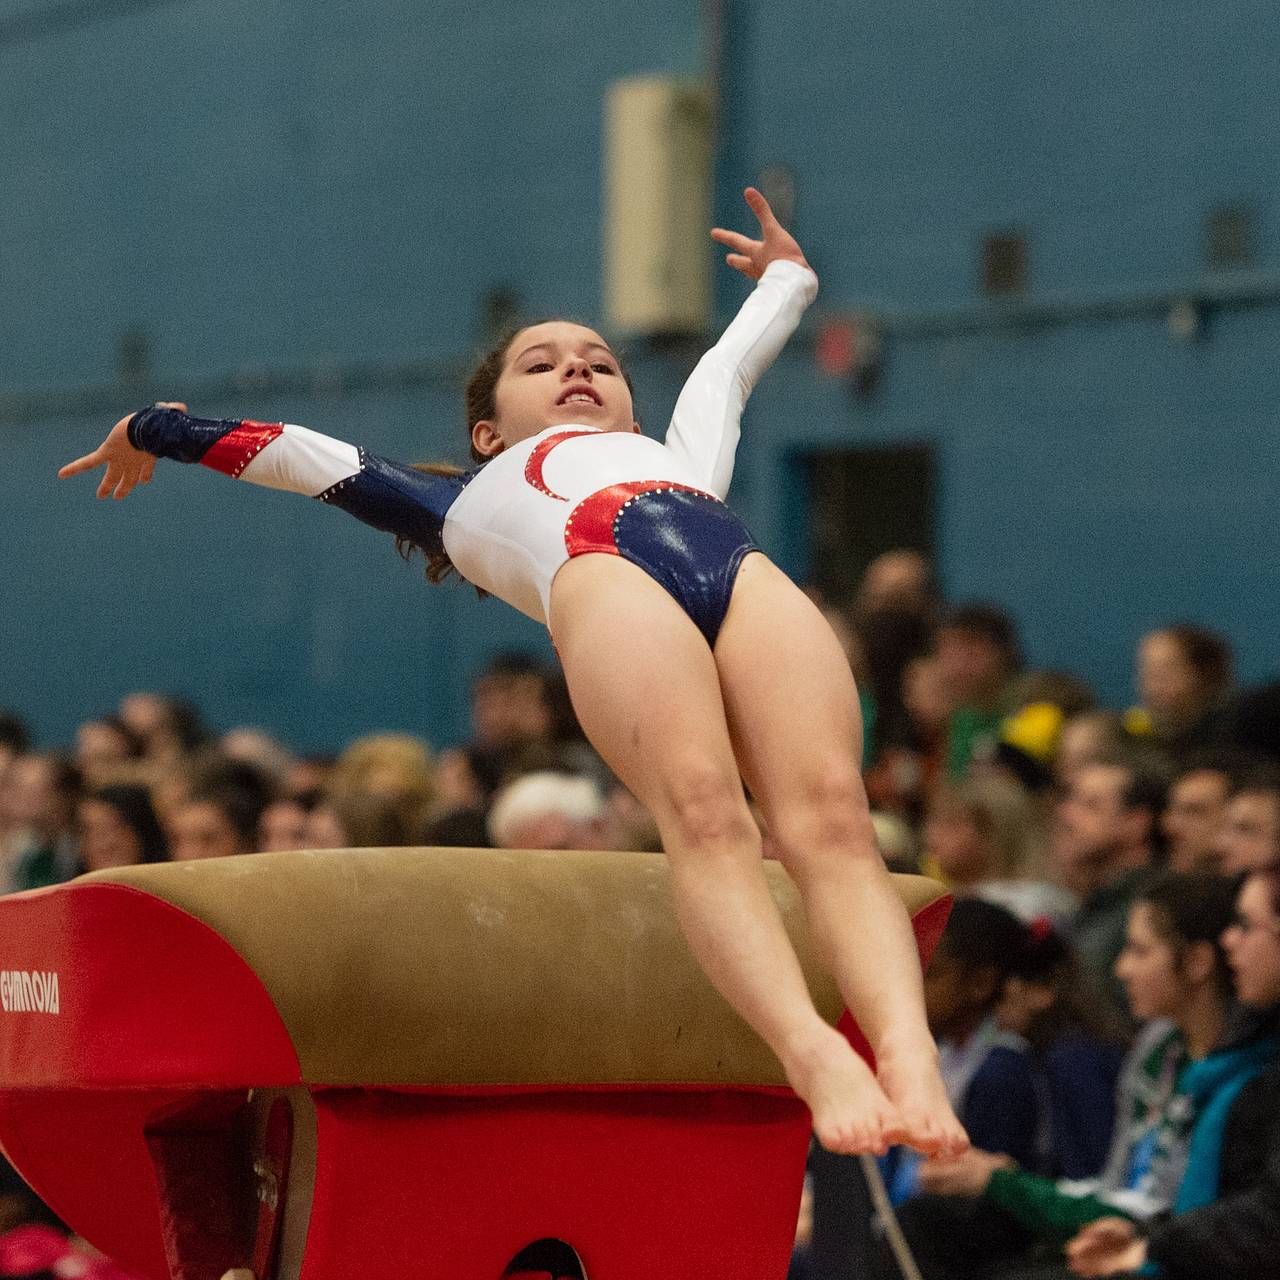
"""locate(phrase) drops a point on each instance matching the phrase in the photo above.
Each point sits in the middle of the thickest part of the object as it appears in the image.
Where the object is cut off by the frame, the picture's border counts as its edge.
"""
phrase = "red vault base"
(161, 1110)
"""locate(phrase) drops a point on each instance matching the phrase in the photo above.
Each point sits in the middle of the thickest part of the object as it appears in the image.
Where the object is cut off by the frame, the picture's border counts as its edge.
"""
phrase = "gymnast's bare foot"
(908, 1073)
(851, 1114)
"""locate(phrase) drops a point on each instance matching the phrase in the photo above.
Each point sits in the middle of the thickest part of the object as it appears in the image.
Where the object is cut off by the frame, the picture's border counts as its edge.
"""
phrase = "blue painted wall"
(275, 184)
(1099, 478)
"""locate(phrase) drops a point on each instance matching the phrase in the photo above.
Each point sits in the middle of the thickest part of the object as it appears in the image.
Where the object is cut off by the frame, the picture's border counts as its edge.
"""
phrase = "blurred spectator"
(103, 749)
(205, 771)
(1184, 677)
(547, 810)
(1062, 689)
(894, 617)
(168, 727)
(393, 766)
(979, 654)
(1039, 703)
(15, 738)
(285, 823)
(509, 701)
(1085, 739)
(901, 579)
(988, 1074)
(10, 832)
(1175, 970)
(983, 838)
(1078, 1041)
(118, 828)
(216, 823)
(257, 747)
(1195, 814)
(512, 725)
(1104, 847)
(905, 773)
(43, 792)
(992, 1081)
(308, 775)
(1226, 1219)
(1250, 835)
(349, 819)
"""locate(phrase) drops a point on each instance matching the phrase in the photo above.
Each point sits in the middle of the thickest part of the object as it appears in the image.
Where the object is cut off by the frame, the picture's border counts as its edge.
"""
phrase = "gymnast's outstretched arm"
(382, 493)
(704, 427)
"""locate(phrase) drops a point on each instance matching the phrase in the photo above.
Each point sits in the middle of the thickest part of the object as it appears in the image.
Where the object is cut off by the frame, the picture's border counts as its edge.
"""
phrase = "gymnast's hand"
(752, 256)
(126, 466)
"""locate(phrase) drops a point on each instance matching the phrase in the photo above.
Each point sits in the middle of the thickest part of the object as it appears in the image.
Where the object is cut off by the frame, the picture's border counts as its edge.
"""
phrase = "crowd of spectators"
(1106, 865)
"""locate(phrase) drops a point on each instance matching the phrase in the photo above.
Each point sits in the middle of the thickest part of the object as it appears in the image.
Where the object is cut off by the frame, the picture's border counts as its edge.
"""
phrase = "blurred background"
(1043, 352)
(1022, 450)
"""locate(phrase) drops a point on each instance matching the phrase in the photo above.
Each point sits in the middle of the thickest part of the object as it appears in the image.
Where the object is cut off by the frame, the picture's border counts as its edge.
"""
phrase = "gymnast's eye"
(604, 368)
(541, 367)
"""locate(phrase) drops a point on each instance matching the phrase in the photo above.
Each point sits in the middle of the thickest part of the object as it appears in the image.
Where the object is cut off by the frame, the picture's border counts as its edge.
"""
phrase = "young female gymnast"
(693, 663)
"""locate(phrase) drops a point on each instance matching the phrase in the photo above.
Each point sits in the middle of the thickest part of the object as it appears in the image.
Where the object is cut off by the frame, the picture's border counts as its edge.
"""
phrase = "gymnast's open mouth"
(581, 393)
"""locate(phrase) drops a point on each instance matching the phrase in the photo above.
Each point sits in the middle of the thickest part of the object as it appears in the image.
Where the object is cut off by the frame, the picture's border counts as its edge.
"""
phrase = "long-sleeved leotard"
(510, 525)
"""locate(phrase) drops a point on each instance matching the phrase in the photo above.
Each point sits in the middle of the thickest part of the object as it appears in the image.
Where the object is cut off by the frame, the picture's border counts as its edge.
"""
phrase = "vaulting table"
(403, 1062)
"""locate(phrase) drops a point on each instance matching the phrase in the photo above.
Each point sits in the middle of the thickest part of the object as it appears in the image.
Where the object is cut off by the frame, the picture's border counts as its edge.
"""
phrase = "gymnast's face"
(555, 374)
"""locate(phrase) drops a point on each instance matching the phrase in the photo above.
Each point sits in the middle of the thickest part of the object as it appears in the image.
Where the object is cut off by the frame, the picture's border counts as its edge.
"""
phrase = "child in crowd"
(1078, 1044)
(992, 1079)
(692, 661)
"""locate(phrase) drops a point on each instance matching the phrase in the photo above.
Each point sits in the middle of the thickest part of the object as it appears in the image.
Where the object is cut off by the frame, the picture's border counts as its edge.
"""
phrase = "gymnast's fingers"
(109, 481)
(735, 240)
(760, 207)
(128, 479)
(87, 463)
(740, 262)
(148, 470)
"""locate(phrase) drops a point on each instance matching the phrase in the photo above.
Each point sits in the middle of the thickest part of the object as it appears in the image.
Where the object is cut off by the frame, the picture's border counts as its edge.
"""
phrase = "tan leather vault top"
(483, 966)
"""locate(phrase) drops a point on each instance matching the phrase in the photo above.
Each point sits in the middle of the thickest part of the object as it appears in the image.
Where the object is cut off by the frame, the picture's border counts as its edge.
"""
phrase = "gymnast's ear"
(486, 440)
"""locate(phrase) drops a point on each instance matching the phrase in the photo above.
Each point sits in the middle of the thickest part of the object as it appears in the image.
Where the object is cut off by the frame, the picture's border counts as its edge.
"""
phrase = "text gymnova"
(23, 992)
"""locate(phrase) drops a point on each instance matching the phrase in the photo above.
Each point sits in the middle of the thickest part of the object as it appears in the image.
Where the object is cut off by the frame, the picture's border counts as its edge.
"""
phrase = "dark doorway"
(862, 503)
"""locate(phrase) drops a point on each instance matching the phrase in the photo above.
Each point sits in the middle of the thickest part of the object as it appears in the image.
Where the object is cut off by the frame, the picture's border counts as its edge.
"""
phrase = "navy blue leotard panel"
(686, 540)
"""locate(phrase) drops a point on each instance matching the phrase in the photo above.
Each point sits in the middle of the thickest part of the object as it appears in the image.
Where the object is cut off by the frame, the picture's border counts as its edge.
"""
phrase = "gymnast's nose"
(577, 370)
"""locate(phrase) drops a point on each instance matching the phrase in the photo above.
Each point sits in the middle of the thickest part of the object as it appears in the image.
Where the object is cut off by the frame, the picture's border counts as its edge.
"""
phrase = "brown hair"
(1207, 653)
(1190, 907)
(480, 403)
(1003, 814)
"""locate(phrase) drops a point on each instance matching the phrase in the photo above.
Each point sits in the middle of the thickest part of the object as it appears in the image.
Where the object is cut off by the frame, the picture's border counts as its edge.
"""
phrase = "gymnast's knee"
(706, 812)
(824, 824)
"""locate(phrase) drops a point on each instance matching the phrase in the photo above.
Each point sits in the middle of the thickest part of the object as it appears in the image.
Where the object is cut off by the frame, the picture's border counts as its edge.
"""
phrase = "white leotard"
(508, 537)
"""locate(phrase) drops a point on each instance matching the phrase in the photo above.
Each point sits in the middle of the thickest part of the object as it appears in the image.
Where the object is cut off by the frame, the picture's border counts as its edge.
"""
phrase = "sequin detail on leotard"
(686, 540)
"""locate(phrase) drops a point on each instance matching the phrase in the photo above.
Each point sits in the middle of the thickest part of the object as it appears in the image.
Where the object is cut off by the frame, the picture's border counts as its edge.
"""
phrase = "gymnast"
(692, 661)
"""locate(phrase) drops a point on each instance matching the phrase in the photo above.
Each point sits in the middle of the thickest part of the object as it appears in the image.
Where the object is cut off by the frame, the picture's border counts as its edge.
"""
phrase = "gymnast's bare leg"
(648, 693)
(797, 742)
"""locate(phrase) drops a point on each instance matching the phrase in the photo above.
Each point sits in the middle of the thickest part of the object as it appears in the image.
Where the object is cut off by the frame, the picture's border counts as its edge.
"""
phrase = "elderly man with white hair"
(548, 810)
